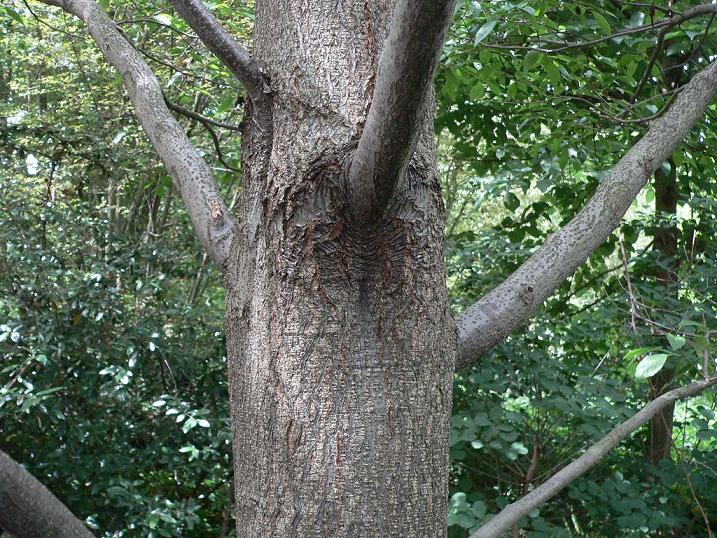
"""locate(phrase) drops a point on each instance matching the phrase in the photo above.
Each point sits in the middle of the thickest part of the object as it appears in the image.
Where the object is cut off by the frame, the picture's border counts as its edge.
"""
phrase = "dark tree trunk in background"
(340, 346)
(665, 243)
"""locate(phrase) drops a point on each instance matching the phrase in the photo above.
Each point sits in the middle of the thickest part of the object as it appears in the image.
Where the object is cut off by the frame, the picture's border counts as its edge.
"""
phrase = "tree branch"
(29, 509)
(231, 53)
(405, 72)
(179, 109)
(592, 456)
(509, 305)
(189, 172)
(207, 123)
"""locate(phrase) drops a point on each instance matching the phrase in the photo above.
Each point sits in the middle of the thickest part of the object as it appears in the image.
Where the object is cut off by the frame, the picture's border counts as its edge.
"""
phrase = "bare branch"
(592, 456)
(179, 109)
(231, 53)
(29, 509)
(189, 172)
(509, 305)
(207, 123)
(405, 73)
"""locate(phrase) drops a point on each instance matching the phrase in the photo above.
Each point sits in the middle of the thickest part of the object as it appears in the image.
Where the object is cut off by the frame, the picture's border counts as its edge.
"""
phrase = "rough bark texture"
(340, 346)
(405, 74)
(29, 510)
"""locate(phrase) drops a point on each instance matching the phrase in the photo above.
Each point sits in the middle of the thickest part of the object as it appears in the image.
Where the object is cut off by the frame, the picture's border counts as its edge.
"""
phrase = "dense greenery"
(112, 379)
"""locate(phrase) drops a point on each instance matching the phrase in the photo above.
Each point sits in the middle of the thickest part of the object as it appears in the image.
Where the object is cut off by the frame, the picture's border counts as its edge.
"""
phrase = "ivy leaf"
(484, 31)
(650, 365)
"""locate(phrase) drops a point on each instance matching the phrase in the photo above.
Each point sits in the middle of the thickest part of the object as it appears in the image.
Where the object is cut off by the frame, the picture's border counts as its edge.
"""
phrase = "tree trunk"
(666, 247)
(341, 349)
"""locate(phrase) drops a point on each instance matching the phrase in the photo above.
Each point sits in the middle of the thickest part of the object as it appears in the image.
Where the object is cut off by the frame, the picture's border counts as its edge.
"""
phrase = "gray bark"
(340, 346)
(509, 305)
(405, 74)
(29, 510)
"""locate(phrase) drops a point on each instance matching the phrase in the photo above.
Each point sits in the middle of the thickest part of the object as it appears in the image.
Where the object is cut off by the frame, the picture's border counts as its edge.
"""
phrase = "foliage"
(548, 126)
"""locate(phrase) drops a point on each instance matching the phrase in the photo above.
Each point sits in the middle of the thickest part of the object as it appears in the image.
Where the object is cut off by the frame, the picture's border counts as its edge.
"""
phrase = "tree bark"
(340, 346)
(666, 246)
(29, 510)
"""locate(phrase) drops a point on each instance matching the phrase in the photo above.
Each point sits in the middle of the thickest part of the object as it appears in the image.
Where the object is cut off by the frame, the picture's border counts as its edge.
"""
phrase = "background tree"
(535, 162)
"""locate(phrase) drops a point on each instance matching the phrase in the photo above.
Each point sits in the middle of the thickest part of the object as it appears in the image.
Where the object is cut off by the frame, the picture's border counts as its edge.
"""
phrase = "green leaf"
(650, 365)
(14, 14)
(553, 74)
(163, 18)
(479, 509)
(638, 352)
(676, 341)
(458, 499)
(477, 91)
(602, 23)
(531, 60)
(511, 201)
(481, 419)
(484, 31)
(189, 424)
(464, 520)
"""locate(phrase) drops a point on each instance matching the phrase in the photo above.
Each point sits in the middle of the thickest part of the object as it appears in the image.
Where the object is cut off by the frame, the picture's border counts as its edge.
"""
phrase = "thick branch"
(233, 55)
(508, 306)
(29, 510)
(189, 172)
(405, 73)
(510, 515)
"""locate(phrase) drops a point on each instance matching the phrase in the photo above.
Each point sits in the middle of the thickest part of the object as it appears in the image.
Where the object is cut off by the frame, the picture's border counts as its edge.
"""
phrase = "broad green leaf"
(479, 509)
(650, 365)
(638, 352)
(553, 74)
(484, 31)
(531, 59)
(602, 23)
